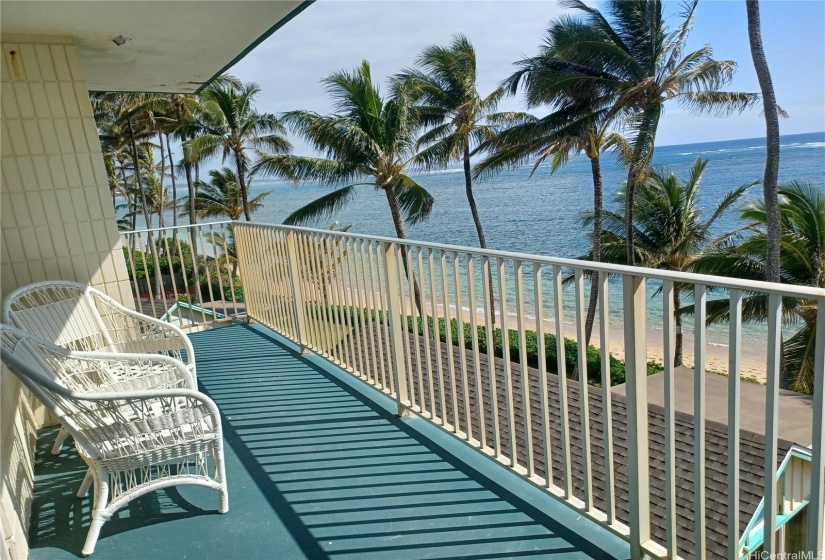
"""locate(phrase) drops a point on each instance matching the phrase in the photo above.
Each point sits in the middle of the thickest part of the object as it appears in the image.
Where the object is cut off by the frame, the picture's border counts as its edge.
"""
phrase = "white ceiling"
(171, 46)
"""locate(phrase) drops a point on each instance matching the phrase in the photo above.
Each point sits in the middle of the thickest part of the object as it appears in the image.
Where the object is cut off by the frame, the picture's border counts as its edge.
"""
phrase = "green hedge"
(571, 347)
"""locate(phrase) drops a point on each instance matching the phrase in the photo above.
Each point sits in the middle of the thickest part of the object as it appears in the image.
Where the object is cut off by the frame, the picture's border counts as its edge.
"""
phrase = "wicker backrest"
(64, 313)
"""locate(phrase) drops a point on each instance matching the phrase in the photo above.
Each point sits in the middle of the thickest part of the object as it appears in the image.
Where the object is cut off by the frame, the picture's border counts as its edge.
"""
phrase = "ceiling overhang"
(159, 46)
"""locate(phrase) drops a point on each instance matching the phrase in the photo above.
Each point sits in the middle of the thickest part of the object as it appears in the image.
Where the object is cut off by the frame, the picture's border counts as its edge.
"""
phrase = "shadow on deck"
(318, 468)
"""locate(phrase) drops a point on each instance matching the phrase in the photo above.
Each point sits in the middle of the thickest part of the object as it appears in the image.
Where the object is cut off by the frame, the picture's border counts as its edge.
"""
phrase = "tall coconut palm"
(221, 196)
(769, 183)
(802, 207)
(369, 140)
(630, 60)
(670, 231)
(232, 127)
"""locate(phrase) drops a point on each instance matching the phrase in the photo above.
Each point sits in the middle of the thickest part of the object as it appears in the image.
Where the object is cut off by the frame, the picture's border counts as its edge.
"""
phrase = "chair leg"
(84, 486)
(99, 513)
(220, 474)
(58, 441)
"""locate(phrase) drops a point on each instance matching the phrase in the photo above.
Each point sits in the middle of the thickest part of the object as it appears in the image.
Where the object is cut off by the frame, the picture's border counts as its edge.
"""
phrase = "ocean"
(541, 213)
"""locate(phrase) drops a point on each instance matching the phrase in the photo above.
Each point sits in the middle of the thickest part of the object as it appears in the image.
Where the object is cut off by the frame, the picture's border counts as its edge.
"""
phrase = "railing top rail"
(165, 228)
(684, 277)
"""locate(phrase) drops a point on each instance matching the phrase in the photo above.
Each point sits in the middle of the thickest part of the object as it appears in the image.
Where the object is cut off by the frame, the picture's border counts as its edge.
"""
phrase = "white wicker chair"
(135, 437)
(81, 318)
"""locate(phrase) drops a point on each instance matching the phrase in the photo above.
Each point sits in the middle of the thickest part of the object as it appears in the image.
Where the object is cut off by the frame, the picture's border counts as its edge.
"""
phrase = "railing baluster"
(356, 282)
(486, 283)
(448, 344)
(337, 281)
(734, 371)
(816, 517)
(130, 252)
(415, 314)
(523, 367)
(699, 339)
(225, 235)
(564, 416)
(298, 308)
(635, 343)
(442, 405)
(199, 229)
(401, 279)
(378, 294)
(508, 372)
(584, 402)
(543, 387)
(370, 340)
(669, 339)
(772, 421)
(425, 328)
(471, 294)
(462, 357)
(396, 341)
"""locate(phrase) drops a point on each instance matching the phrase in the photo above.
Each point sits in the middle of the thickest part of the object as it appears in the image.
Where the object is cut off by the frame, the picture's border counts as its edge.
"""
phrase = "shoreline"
(753, 360)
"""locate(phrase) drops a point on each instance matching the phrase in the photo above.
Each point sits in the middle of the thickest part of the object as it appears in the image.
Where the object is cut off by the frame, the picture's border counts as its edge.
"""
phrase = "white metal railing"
(187, 275)
(379, 307)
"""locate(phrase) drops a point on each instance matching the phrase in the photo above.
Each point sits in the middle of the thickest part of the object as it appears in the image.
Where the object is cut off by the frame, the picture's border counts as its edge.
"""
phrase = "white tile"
(8, 97)
(40, 100)
(45, 179)
(92, 139)
(65, 205)
(33, 138)
(87, 236)
(11, 175)
(59, 241)
(24, 99)
(44, 242)
(75, 65)
(27, 176)
(5, 73)
(50, 205)
(21, 209)
(7, 211)
(78, 138)
(87, 174)
(52, 269)
(61, 63)
(17, 137)
(30, 249)
(64, 265)
(44, 58)
(82, 94)
(11, 52)
(93, 266)
(49, 135)
(29, 61)
(64, 137)
(55, 100)
(6, 144)
(93, 202)
(36, 271)
(13, 244)
(72, 172)
(36, 210)
(81, 209)
(73, 238)
(67, 93)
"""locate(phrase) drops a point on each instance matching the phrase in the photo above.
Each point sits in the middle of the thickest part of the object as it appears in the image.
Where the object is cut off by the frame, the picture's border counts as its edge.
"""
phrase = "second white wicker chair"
(135, 440)
(81, 318)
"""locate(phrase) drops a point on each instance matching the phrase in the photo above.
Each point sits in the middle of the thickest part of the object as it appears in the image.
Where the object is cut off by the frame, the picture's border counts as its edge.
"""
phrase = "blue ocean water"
(541, 213)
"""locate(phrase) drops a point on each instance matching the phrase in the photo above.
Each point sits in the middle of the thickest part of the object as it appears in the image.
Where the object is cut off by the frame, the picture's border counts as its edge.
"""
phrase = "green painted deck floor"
(318, 468)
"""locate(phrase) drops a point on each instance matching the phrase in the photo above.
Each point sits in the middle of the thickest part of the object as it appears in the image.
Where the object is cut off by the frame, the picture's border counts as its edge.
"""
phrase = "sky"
(334, 34)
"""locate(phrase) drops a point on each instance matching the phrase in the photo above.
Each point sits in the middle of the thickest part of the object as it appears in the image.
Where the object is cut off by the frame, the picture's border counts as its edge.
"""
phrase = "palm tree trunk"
(174, 186)
(771, 177)
(596, 171)
(242, 184)
(677, 304)
(399, 231)
(769, 183)
(139, 185)
(482, 240)
(193, 219)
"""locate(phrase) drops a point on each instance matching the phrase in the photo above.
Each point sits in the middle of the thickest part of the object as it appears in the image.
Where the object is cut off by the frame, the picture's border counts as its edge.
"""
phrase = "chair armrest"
(133, 372)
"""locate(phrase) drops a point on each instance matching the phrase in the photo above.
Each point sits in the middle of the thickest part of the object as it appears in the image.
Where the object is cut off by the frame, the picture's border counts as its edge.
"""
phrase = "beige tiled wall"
(57, 223)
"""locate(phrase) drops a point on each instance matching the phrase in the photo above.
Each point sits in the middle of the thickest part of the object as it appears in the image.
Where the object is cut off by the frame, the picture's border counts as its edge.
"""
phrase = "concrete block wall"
(57, 223)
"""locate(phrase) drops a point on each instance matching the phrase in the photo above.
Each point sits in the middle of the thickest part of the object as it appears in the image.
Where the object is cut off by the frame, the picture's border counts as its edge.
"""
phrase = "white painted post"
(772, 423)
(816, 518)
(399, 364)
(635, 343)
(295, 283)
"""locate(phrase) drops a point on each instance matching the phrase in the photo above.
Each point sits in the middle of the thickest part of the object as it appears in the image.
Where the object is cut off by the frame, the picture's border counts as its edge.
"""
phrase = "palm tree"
(221, 196)
(229, 125)
(369, 140)
(631, 62)
(670, 232)
(769, 183)
(802, 207)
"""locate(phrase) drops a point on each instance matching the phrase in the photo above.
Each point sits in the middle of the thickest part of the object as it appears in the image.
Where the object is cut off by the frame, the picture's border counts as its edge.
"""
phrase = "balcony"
(359, 422)
(319, 467)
